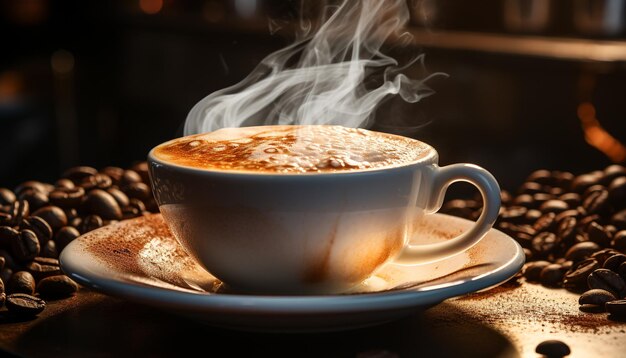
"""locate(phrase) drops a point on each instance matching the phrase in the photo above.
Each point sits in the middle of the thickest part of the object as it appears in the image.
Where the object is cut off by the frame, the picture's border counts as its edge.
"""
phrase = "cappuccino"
(292, 149)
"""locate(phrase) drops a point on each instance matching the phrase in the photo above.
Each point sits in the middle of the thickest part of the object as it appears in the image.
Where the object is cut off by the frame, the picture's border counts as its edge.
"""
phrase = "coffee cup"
(307, 209)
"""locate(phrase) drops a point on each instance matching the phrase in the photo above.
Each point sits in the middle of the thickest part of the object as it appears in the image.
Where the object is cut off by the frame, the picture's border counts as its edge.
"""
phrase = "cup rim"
(431, 157)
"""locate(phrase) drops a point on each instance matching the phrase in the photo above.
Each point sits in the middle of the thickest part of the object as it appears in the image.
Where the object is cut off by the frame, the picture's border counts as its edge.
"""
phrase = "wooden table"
(508, 321)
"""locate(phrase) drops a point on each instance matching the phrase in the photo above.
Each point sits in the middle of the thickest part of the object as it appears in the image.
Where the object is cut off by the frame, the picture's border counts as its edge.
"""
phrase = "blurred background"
(533, 83)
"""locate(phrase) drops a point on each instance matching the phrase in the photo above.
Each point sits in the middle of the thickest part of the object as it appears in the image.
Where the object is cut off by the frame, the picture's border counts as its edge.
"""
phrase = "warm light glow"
(597, 136)
(151, 7)
(10, 85)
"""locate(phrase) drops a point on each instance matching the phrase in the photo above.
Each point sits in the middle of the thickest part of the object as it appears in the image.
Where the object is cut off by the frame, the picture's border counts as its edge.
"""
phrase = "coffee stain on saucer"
(144, 251)
(145, 248)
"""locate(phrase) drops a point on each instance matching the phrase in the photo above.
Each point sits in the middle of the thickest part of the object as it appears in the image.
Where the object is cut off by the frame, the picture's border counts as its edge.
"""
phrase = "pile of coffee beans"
(573, 231)
(37, 220)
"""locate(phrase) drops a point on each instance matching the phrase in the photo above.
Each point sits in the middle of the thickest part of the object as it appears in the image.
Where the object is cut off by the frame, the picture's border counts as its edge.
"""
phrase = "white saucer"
(141, 261)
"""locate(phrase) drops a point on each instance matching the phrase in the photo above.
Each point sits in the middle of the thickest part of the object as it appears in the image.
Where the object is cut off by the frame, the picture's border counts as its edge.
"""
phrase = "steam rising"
(327, 84)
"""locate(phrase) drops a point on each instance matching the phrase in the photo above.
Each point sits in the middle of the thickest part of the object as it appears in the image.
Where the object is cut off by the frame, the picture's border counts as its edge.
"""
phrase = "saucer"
(140, 260)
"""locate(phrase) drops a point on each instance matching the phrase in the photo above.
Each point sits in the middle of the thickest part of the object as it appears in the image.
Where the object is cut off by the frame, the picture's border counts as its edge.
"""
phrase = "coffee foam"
(291, 149)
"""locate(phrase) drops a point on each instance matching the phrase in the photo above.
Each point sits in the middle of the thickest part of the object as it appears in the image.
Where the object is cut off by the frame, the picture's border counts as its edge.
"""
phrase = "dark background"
(100, 83)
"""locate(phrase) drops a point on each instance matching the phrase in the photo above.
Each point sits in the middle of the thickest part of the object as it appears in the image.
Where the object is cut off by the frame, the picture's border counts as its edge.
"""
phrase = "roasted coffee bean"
(556, 191)
(572, 199)
(40, 271)
(32, 185)
(564, 179)
(511, 229)
(2, 262)
(613, 262)
(532, 270)
(611, 172)
(505, 197)
(530, 188)
(96, 181)
(19, 210)
(567, 229)
(39, 226)
(65, 235)
(26, 247)
(617, 192)
(619, 219)
(6, 197)
(541, 198)
(134, 209)
(619, 241)
(532, 215)
(554, 206)
(7, 236)
(598, 234)
(36, 199)
(142, 192)
(592, 189)
(59, 286)
(617, 308)
(89, 223)
(76, 222)
(49, 249)
(597, 297)
(607, 280)
(553, 349)
(24, 305)
(21, 282)
(514, 214)
(551, 275)
(566, 265)
(129, 177)
(602, 255)
(544, 243)
(5, 274)
(611, 229)
(53, 215)
(67, 197)
(142, 169)
(46, 260)
(122, 200)
(597, 202)
(576, 277)
(76, 174)
(115, 173)
(103, 204)
(64, 184)
(542, 176)
(581, 251)
(547, 222)
(582, 182)
(524, 200)
(584, 222)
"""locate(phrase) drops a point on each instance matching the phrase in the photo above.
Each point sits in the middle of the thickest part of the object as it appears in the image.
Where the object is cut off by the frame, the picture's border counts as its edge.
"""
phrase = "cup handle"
(441, 178)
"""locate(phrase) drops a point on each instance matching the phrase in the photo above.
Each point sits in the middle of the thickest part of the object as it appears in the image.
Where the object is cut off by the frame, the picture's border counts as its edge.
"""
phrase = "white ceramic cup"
(318, 233)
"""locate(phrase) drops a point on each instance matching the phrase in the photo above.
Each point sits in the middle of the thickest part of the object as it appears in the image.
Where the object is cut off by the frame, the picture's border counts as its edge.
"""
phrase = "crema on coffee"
(292, 149)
